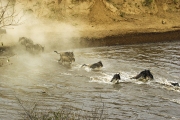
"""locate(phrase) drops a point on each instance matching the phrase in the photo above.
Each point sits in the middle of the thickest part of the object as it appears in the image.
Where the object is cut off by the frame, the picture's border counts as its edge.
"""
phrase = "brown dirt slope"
(101, 14)
(105, 19)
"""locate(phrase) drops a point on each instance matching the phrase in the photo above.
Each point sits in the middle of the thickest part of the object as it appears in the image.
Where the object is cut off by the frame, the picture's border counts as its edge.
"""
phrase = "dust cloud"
(50, 34)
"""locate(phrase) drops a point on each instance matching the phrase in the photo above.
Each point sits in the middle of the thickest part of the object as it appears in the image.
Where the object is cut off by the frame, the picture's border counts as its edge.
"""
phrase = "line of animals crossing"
(68, 57)
(145, 75)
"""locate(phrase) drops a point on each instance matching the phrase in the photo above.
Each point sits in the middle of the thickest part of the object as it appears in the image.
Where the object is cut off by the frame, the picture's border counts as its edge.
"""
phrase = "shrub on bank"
(67, 113)
(64, 113)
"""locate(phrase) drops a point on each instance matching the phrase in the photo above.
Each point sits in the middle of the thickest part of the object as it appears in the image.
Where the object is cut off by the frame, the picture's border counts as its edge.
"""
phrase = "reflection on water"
(41, 80)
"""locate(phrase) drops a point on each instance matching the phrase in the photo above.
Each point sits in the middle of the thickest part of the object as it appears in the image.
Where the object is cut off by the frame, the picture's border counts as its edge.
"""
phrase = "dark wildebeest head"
(96, 65)
(175, 84)
(116, 78)
(146, 74)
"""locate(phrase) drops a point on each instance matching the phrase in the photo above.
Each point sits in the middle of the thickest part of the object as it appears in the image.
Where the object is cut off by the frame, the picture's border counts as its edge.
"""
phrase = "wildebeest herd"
(69, 58)
(66, 57)
(29, 45)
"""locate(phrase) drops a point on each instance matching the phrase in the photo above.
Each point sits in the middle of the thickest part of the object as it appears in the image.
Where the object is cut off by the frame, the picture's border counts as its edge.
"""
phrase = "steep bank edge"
(131, 38)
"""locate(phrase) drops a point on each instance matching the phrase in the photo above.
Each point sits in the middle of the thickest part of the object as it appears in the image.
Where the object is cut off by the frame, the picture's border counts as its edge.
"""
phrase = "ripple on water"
(50, 85)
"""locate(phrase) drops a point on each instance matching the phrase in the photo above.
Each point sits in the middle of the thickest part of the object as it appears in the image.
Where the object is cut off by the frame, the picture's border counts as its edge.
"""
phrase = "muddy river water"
(41, 80)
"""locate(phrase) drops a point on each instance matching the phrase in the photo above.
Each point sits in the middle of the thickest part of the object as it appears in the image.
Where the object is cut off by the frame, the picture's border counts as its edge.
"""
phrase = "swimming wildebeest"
(116, 78)
(175, 84)
(66, 57)
(97, 65)
(144, 75)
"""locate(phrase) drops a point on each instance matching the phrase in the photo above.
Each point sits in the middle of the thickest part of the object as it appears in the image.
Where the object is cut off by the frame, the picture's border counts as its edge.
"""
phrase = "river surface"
(41, 80)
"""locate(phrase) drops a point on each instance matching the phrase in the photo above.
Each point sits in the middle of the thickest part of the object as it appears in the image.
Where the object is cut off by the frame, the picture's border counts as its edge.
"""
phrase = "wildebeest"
(175, 84)
(24, 41)
(144, 75)
(30, 46)
(116, 78)
(69, 54)
(97, 65)
(38, 48)
(66, 57)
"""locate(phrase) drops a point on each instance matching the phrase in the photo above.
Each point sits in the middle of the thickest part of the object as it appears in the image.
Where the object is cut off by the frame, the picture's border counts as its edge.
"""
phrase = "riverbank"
(132, 38)
(71, 24)
(139, 37)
